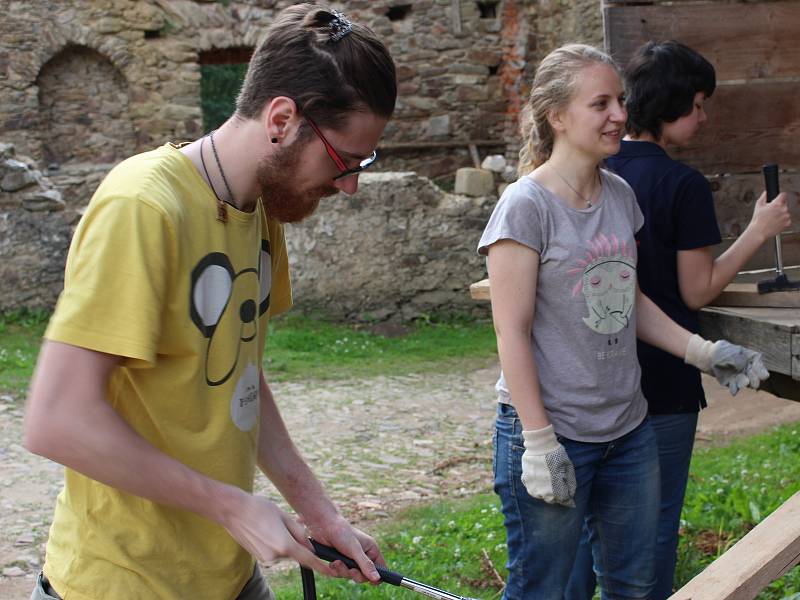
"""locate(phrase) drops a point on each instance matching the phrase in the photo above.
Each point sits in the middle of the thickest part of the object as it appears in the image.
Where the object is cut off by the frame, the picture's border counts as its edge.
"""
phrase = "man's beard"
(278, 178)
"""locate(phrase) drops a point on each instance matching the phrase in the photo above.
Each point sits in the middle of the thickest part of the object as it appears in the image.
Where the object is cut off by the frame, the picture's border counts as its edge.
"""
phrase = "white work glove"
(547, 472)
(734, 366)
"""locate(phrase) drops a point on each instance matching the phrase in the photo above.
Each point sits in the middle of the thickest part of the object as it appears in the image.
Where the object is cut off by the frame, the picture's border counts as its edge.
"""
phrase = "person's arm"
(654, 327)
(69, 420)
(281, 462)
(733, 366)
(547, 472)
(701, 277)
(513, 273)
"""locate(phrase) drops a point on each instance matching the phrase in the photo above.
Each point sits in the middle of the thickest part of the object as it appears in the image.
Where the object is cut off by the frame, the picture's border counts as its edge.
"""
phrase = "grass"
(301, 347)
(731, 489)
(20, 336)
(441, 545)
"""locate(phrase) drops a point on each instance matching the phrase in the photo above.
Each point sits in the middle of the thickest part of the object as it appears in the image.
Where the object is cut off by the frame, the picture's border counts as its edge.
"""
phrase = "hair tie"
(339, 26)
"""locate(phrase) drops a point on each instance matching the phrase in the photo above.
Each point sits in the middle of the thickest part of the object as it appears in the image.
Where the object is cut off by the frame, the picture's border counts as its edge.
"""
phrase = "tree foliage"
(219, 86)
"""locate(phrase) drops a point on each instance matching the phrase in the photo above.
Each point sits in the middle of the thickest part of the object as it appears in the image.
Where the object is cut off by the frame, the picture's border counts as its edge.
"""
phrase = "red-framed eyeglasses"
(344, 171)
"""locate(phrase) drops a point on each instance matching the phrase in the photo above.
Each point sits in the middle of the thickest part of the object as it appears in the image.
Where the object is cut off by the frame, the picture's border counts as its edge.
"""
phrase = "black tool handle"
(332, 554)
(771, 181)
(309, 587)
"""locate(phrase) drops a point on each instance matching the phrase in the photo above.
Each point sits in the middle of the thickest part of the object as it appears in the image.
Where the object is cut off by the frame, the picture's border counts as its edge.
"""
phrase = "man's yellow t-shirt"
(154, 277)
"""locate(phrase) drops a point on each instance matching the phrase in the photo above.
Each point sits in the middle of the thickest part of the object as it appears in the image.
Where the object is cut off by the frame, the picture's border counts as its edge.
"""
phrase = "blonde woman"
(573, 440)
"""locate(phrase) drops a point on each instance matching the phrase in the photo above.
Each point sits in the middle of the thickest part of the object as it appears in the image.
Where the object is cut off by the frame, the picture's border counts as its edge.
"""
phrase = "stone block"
(17, 176)
(474, 182)
(43, 201)
(494, 162)
(438, 126)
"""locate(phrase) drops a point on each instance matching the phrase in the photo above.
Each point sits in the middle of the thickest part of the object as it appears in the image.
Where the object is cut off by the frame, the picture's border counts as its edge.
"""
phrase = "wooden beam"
(768, 330)
(735, 197)
(480, 290)
(762, 556)
(476, 158)
(746, 294)
(389, 146)
(749, 124)
(742, 40)
(764, 257)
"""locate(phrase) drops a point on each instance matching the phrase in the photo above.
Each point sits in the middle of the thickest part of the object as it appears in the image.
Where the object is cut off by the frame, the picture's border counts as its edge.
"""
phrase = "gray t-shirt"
(584, 327)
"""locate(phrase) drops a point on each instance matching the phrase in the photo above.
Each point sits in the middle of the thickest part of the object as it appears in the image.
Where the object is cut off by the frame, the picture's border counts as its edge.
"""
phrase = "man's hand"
(547, 472)
(267, 533)
(353, 543)
(734, 366)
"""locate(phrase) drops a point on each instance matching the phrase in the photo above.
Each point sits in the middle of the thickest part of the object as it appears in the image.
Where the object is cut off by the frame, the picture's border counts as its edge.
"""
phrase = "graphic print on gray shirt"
(584, 327)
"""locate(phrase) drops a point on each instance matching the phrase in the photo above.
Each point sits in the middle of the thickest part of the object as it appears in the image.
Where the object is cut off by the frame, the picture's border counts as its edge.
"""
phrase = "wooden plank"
(796, 356)
(782, 385)
(768, 551)
(422, 145)
(748, 125)
(792, 272)
(480, 290)
(746, 294)
(785, 320)
(735, 197)
(764, 258)
(741, 40)
(768, 330)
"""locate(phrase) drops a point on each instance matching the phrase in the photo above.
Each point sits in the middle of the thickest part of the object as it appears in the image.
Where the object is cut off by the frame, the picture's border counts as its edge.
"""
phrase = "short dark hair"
(305, 57)
(661, 81)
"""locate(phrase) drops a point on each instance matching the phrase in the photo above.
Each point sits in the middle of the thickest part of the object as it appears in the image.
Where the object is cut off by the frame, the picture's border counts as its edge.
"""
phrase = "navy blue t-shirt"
(678, 215)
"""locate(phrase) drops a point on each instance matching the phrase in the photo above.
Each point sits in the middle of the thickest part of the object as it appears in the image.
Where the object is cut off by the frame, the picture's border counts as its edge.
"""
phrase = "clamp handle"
(331, 554)
(771, 181)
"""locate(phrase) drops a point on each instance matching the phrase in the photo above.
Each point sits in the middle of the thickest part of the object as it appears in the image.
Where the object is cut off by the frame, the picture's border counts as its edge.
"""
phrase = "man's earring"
(274, 140)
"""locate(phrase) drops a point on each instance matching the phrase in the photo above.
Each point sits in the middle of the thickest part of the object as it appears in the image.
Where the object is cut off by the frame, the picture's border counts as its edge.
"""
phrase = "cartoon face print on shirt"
(608, 282)
(225, 305)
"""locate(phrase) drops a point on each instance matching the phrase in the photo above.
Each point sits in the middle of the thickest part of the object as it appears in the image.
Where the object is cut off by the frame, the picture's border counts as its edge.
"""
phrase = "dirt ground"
(378, 445)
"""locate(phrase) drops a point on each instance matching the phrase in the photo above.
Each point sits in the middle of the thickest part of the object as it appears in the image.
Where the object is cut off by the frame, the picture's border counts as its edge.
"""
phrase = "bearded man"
(149, 386)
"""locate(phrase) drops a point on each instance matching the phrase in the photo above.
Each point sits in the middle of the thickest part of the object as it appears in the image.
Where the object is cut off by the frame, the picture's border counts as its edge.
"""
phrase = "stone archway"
(83, 105)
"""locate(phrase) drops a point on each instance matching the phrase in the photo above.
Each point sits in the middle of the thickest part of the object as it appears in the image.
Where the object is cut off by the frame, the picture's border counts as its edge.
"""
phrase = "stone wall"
(397, 249)
(86, 83)
(97, 80)
(34, 234)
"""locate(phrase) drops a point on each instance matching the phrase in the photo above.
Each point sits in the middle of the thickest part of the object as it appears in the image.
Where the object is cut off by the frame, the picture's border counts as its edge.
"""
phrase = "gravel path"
(377, 444)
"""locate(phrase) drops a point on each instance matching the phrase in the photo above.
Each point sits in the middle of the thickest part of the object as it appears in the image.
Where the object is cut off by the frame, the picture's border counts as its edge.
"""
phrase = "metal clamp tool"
(331, 554)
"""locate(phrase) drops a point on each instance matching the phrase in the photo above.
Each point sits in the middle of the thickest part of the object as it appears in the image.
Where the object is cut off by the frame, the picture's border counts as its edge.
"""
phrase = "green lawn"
(302, 348)
(20, 337)
(299, 347)
(455, 545)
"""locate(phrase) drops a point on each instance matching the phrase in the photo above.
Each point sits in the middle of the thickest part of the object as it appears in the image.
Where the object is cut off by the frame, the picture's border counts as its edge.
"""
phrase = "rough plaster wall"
(397, 249)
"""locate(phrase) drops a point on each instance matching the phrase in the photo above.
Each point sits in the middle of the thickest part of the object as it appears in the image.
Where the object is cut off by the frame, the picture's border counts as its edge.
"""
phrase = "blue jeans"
(675, 435)
(617, 495)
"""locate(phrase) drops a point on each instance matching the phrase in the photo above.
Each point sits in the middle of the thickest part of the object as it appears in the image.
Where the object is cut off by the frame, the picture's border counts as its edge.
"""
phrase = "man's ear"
(278, 117)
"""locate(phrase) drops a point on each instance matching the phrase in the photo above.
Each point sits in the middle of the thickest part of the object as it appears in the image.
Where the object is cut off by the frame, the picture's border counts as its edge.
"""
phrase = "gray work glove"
(734, 366)
(547, 472)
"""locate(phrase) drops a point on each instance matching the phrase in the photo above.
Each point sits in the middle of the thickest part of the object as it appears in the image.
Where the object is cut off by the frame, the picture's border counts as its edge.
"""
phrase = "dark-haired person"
(149, 386)
(667, 84)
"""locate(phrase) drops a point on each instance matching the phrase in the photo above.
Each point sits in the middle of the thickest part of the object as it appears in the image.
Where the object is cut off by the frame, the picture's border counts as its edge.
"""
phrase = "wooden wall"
(754, 114)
